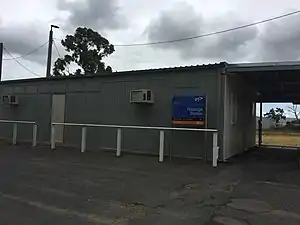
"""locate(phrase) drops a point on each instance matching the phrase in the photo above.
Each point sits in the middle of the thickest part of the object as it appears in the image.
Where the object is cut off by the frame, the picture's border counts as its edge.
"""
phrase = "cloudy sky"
(24, 26)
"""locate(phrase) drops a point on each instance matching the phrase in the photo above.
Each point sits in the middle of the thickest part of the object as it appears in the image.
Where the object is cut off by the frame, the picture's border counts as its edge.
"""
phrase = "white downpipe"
(119, 141)
(15, 133)
(83, 140)
(161, 145)
(52, 136)
(34, 135)
(215, 150)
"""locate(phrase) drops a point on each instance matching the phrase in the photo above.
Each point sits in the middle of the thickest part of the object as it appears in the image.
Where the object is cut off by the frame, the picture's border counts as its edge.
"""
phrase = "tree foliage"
(275, 115)
(294, 109)
(86, 48)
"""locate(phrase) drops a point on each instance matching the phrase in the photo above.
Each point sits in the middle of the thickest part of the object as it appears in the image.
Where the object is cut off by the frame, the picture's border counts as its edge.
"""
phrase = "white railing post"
(34, 135)
(162, 130)
(119, 141)
(215, 150)
(52, 136)
(15, 133)
(161, 145)
(83, 139)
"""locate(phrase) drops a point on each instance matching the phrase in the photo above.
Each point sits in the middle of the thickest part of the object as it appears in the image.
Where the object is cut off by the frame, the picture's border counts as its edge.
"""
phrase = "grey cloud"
(20, 39)
(179, 22)
(280, 40)
(96, 14)
(273, 41)
(183, 21)
(230, 46)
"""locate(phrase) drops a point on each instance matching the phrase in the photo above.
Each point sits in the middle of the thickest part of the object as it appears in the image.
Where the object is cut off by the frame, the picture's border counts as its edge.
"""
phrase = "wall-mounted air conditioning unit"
(141, 96)
(10, 100)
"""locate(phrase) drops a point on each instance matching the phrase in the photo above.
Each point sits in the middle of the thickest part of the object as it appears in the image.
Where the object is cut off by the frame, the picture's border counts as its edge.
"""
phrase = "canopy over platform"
(273, 81)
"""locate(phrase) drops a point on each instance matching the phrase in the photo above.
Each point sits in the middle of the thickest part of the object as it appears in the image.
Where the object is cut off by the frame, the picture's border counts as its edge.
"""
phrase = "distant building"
(269, 123)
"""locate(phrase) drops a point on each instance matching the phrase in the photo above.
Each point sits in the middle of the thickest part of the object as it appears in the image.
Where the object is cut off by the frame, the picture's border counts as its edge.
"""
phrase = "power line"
(68, 68)
(29, 53)
(20, 63)
(56, 49)
(212, 33)
(207, 34)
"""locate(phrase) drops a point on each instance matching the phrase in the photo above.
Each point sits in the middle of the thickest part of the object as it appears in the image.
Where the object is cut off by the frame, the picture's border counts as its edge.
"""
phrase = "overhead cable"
(57, 49)
(212, 33)
(198, 36)
(24, 67)
(29, 53)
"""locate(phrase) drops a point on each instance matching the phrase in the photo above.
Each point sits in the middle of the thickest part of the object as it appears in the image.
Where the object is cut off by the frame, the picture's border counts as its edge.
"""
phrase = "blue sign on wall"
(189, 110)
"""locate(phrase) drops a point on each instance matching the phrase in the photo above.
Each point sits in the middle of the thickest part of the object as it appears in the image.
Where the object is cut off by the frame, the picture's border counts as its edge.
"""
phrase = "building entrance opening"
(280, 125)
(276, 88)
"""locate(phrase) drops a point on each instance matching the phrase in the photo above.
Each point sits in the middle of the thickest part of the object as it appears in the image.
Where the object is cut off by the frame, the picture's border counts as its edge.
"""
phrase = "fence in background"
(15, 130)
(119, 128)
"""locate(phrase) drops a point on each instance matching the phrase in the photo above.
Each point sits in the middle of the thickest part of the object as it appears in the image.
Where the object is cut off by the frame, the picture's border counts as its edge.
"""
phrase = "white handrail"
(16, 121)
(135, 127)
(119, 136)
(15, 130)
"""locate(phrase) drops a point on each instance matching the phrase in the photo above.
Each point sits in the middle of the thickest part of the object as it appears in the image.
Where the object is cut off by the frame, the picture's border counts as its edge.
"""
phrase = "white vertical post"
(161, 145)
(52, 136)
(15, 133)
(34, 135)
(215, 150)
(83, 139)
(119, 141)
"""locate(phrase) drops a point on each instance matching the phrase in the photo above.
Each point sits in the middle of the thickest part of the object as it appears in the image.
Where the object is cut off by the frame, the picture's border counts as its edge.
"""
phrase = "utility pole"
(1, 58)
(48, 70)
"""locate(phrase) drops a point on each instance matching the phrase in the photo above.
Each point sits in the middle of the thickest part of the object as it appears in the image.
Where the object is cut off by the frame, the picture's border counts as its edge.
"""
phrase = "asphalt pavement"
(39, 186)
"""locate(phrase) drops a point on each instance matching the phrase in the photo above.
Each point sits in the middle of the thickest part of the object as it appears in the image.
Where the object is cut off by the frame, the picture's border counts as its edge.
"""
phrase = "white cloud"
(268, 106)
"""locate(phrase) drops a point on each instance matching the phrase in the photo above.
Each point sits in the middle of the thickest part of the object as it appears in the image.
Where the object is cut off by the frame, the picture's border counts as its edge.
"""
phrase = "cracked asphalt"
(38, 186)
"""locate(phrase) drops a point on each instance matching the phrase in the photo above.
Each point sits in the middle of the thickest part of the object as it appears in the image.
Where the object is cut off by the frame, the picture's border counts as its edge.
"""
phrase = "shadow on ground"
(66, 187)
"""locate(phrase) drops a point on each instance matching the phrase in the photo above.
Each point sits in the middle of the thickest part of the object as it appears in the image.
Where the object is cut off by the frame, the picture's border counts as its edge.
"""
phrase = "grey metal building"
(105, 99)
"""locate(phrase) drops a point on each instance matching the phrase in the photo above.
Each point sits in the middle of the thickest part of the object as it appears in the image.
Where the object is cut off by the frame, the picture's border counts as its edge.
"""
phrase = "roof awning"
(275, 82)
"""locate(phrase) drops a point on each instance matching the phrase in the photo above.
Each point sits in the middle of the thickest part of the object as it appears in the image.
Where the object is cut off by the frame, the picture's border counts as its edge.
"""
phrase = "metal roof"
(122, 73)
(265, 66)
(275, 81)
